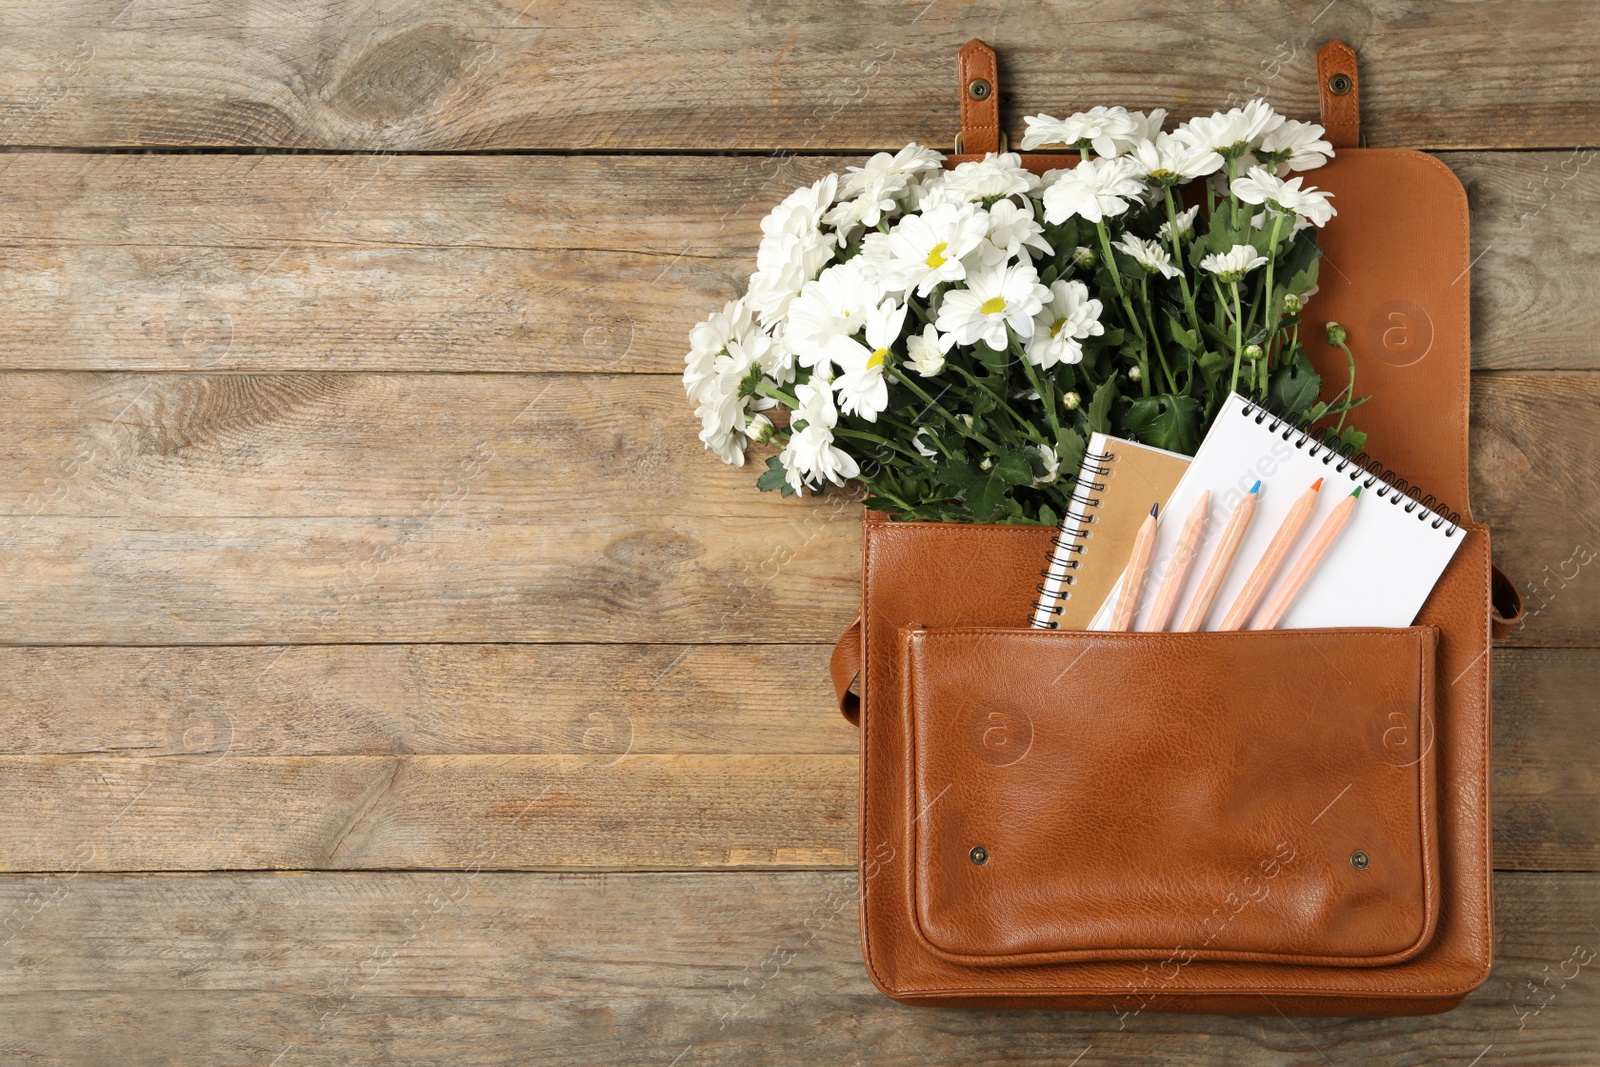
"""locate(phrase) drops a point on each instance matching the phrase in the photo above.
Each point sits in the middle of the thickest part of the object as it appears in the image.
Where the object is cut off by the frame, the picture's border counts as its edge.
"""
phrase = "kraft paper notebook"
(1116, 486)
(1378, 573)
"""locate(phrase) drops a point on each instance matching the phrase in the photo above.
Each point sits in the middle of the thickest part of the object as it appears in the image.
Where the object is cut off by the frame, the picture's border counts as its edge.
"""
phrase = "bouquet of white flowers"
(951, 337)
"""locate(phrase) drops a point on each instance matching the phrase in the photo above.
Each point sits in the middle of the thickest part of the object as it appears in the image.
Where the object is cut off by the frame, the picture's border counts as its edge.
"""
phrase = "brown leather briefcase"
(1291, 821)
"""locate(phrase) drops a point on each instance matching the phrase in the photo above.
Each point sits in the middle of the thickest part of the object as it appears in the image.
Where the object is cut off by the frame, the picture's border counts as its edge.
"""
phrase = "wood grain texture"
(318, 263)
(373, 700)
(228, 509)
(594, 704)
(477, 969)
(697, 75)
(609, 810)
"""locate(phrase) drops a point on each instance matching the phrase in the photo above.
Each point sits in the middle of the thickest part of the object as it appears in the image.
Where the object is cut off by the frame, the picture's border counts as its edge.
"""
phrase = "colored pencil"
(1307, 563)
(1217, 569)
(1182, 559)
(1250, 596)
(1133, 577)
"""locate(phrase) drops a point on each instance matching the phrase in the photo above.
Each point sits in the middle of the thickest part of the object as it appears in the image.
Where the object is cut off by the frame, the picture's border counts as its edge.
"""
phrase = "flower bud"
(1293, 304)
(1134, 374)
(1252, 352)
(986, 464)
(1336, 334)
(1070, 401)
(1083, 256)
(759, 429)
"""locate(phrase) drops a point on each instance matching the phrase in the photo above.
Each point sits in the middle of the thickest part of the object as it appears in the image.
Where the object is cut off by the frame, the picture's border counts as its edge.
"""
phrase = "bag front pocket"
(1263, 796)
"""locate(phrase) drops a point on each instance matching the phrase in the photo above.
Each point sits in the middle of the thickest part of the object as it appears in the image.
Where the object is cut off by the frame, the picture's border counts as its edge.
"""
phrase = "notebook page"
(1378, 573)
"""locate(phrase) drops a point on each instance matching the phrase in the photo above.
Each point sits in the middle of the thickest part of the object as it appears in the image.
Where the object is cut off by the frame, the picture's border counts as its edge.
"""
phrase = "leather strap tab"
(980, 98)
(1506, 610)
(1339, 92)
(845, 666)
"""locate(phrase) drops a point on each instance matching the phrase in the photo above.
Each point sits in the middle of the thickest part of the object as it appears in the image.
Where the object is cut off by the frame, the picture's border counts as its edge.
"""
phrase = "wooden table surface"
(388, 675)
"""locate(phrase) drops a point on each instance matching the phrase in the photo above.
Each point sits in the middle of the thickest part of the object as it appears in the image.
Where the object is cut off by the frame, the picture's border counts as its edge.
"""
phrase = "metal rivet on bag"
(1359, 860)
(979, 89)
(978, 855)
(1340, 84)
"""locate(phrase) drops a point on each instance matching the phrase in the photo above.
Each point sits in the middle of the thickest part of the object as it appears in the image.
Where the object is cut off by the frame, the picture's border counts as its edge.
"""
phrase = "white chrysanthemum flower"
(925, 351)
(1146, 127)
(875, 191)
(723, 410)
(1233, 264)
(1172, 160)
(827, 314)
(1185, 224)
(810, 454)
(1062, 325)
(927, 249)
(1095, 189)
(1011, 230)
(1296, 145)
(874, 260)
(1232, 132)
(784, 263)
(884, 171)
(1150, 255)
(1052, 465)
(1101, 128)
(709, 339)
(982, 179)
(1260, 187)
(801, 211)
(861, 386)
(993, 300)
(923, 450)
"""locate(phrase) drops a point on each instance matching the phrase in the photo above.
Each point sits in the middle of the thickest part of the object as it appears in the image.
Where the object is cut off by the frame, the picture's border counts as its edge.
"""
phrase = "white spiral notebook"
(1378, 573)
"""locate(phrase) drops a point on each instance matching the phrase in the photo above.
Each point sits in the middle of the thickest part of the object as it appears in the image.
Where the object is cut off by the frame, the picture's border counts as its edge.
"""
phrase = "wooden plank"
(486, 970)
(557, 263)
(597, 702)
(372, 700)
(181, 509)
(602, 811)
(697, 75)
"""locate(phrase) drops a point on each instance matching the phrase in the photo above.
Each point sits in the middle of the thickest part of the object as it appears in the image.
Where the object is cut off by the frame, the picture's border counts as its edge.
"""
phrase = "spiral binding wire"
(1092, 468)
(1396, 490)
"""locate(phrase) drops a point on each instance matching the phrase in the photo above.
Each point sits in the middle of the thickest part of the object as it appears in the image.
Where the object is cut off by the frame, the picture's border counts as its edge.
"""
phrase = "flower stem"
(1127, 307)
(1177, 260)
(862, 435)
(1144, 298)
(1045, 392)
(1350, 393)
(777, 394)
(1238, 338)
(1023, 424)
(957, 424)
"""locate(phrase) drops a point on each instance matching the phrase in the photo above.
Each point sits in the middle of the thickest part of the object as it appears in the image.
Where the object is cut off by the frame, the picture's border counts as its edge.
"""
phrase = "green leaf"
(1353, 439)
(1294, 386)
(775, 478)
(1098, 417)
(1165, 421)
(1212, 363)
(1070, 448)
(1186, 338)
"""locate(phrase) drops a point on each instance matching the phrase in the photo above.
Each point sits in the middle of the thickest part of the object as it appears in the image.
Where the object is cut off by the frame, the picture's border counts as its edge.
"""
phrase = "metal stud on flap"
(979, 89)
(1339, 84)
(978, 855)
(1359, 860)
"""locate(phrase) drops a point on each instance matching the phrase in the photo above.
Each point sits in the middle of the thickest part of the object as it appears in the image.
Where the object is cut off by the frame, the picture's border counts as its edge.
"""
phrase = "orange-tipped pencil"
(1182, 558)
(1217, 569)
(1301, 571)
(1261, 577)
(1133, 577)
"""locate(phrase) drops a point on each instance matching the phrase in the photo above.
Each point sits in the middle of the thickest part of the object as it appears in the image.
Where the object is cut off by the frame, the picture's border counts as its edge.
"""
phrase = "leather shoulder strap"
(980, 99)
(845, 666)
(1339, 93)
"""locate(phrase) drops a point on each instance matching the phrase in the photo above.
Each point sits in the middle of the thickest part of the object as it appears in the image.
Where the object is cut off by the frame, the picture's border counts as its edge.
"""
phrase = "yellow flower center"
(936, 257)
(877, 358)
(1055, 330)
(993, 306)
